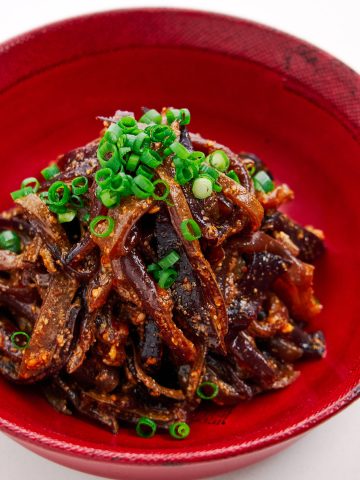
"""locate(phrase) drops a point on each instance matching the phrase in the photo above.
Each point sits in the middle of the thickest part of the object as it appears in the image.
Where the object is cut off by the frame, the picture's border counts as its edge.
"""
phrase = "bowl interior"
(248, 107)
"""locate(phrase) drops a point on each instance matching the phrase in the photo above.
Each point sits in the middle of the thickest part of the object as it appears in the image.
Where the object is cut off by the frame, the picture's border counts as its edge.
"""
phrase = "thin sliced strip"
(158, 304)
(295, 286)
(44, 222)
(51, 332)
(178, 212)
(125, 216)
(245, 200)
(154, 387)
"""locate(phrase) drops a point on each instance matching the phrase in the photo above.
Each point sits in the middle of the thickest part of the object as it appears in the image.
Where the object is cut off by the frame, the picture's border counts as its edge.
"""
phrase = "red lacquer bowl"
(247, 86)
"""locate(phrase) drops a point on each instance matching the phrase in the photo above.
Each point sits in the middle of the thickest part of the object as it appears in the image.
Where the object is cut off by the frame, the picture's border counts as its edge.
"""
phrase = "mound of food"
(151, 271)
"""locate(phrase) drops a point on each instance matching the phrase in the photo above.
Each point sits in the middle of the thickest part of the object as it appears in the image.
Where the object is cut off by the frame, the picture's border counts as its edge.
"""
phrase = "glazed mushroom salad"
(151, 271)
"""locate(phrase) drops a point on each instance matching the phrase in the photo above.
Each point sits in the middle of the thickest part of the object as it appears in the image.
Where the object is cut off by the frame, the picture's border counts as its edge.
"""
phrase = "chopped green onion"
(108, 156)
(109, 198)
(127, 124)
(167, 278)
(49, 172)
(113, 133)
(121, 183)
(179, 430)
(44, 196)
(161, 133)
(145, 427)
(197, 157)
(57, 208)
(210, 172)
(263, 182)
(151, 116)
(23, 192)
(207, 390)
(232, 174)
(132, 162)
(67, 216)
(155, 270)
(80, 185)
(179, 150)
(142, 141)
(123, 151)
(146, 171)
(142, 187)
(185, 174)
(251, 169)
(185, 116)
(76, 201)
(57, 198)
(166, 191)
(16, 337)
(86, 217)
(190, 229)
(170, 260)
(172, 114)
(219, 160)
(151, 158)
(10, 240)
(217, 187)
(103, 176)
(28, 181)
(103, 232)
(202, 187)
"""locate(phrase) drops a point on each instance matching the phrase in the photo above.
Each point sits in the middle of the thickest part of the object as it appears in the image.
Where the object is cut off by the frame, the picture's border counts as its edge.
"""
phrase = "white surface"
(331, 451)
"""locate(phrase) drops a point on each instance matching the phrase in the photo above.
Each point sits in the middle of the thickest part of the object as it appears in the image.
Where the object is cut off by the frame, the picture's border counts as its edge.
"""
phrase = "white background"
(331, 451)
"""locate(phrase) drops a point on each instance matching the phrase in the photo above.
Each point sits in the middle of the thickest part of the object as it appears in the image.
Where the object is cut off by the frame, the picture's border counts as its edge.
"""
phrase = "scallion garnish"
(202, 187)
(102, 232)
(219, 160)
(167, 277)
(209, 171)
(86, 217)
(10, 240)
(80, 185)
(145, 427)
(133, 162)
(142, 187)
(76, 201)
(121, 183)
(146, 171)
(23, 192)
(150, 158)
(151, 116)
(103, 177)
(170, 260)
(127, 124)
(113, 133)
(109, 198)
(67, 216)
(164, 195)
(263, 182)
(59, 193)
(20, 340)
(49, 172)
(179, 430)
(207, 390)
(190, 230)
(185, 116)
(232, 174)
(27, 182)
(179, 150)
(108, 156)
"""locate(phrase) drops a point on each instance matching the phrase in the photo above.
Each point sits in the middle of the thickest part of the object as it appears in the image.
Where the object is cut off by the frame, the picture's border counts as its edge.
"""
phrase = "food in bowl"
(151, 271)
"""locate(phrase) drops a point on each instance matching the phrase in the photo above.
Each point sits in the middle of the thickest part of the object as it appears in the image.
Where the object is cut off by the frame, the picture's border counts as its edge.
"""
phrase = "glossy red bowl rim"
(335, 88)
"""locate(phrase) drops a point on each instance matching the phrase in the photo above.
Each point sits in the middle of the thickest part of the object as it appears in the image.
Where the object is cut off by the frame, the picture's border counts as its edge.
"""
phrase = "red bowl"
(247, 86)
